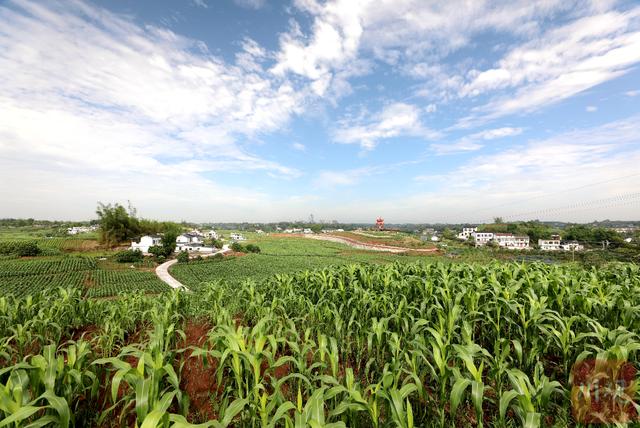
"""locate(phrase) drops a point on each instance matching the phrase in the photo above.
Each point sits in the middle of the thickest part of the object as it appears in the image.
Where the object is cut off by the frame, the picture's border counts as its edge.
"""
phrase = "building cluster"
(191, 241)
(332, 230)
(75, 230)
(298, 230)
(429, 234)
(517, 242)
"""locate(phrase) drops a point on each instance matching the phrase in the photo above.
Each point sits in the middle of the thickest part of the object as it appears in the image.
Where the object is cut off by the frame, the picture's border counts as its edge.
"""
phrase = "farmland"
(94, 279)
(417, 344)
(278, 255)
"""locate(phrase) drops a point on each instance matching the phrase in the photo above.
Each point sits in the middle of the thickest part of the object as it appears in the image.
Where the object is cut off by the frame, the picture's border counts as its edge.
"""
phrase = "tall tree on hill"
(117, 224)
(169, 240)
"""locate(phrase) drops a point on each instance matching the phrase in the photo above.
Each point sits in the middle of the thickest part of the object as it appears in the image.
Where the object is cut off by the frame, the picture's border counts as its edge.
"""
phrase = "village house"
(511, 241)
(467, 232)
(146, 242)
(295, 230)
(80, 229)
(189, 238)
(481, 238)
(307, 231)
(194, 248)
(571, 246)
(212, 234)
(549, 244)
(237, 237)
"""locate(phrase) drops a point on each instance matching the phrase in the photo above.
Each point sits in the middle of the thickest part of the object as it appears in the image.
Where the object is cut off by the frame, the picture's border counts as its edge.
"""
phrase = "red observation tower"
(380, 223)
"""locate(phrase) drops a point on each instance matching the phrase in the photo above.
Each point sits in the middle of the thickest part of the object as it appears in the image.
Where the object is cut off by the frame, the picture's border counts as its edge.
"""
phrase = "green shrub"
(218, 256)
(129, 256)
(237, 247)
(159, 251)
(183, 257)
(252, 248)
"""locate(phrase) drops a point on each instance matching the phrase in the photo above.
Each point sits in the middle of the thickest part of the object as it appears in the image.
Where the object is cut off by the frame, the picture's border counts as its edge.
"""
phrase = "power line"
(550, 194)
(613, 201)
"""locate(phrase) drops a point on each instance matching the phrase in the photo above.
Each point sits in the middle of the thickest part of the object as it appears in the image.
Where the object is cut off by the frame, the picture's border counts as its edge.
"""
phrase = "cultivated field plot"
(391, 238)
(278, 255)
(396, 345)
(21, 277)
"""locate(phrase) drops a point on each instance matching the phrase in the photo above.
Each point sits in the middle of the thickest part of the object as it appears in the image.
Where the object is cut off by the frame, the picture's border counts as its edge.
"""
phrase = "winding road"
(162, 271)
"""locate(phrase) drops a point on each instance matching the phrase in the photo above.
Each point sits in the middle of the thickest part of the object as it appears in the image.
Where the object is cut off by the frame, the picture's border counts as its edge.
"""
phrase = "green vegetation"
(279, 255)
(249, 248)
(129, 256)
(119, 224)
(397, 345)
(19, 248)
(183, 257)
(22, 277)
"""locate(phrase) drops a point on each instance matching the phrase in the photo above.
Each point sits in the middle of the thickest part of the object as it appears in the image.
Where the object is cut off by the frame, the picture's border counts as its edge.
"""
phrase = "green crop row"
(397, 345)
(22, 277)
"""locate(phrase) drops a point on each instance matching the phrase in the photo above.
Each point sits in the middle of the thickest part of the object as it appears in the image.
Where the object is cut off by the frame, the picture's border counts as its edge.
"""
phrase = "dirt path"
(162, 271)
(373, 247)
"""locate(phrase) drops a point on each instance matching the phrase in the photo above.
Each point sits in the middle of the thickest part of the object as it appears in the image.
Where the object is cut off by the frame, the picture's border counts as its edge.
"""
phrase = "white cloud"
(632, 93)
(328, 179)
(532, 176)
(200, 3)
(334, 41)
(400, 32)
(492, 134)
(461, 146)
(558, 64)
(113, 99)
(394, 120)
(471, 142)
(299, 147)
(591, 109)
(251, 4)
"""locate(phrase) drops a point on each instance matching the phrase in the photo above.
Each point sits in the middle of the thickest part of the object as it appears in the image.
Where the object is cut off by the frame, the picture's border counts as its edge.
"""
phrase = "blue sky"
(259, 110)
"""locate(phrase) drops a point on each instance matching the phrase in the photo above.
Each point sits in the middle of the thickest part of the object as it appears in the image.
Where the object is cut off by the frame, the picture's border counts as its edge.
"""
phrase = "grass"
(279, 255)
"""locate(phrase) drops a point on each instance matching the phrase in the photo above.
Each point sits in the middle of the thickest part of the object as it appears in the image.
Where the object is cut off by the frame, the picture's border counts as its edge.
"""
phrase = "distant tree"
(498, 220)
(448, 234)
(169, 241)
(316, 228)
(116, 223)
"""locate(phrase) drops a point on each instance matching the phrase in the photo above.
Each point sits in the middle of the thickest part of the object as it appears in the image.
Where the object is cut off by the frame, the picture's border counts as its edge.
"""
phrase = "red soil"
(198, 377)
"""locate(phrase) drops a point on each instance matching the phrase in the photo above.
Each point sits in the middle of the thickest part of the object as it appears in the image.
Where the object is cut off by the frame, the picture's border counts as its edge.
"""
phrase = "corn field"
(400, 345)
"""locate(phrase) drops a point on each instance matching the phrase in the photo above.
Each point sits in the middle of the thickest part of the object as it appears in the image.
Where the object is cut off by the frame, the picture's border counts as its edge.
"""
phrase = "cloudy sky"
(260, 110)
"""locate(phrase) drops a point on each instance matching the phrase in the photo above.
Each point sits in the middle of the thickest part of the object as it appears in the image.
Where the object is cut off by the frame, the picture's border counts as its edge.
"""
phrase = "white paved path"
(163, 271)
